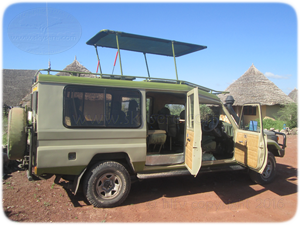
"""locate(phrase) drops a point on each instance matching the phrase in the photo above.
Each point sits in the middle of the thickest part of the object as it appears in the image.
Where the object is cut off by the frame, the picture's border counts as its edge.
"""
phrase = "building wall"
(267, 111)
(272, 110)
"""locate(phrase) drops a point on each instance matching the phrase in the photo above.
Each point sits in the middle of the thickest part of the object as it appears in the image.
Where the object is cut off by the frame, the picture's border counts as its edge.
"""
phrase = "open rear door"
(250, 144)
(193, 151)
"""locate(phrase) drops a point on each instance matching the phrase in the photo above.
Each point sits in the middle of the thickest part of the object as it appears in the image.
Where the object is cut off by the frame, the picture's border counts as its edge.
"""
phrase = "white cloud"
(271, 75)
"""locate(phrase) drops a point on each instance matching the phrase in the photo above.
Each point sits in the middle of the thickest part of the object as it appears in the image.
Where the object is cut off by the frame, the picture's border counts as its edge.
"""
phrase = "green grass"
(4, 129)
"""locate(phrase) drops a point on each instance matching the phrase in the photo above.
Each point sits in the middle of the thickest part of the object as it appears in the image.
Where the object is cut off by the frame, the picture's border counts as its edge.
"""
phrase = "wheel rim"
(268, 170)
(108, 186)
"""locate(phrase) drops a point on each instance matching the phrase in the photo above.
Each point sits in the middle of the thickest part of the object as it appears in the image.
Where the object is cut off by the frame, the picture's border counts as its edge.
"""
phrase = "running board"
(163, 174)
(164, 159)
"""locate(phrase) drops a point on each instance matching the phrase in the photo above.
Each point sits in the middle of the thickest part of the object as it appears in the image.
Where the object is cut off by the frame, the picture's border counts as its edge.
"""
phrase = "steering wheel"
(210, 123)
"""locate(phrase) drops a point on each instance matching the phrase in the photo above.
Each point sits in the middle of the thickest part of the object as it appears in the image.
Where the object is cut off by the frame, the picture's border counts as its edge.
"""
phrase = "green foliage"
(4, 128)
(175, 109)
(276, 124)
(288, 113)
(205, 110)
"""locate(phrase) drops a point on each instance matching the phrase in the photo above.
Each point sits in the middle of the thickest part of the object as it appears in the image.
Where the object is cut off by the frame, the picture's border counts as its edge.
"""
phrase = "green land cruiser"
(101, 132)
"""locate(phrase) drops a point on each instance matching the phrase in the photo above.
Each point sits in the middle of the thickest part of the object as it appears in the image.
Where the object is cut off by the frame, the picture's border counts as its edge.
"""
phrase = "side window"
(212, 114)
(101, 107)
(190, 123)
(175, 109)
(250, 119)
(205, 111)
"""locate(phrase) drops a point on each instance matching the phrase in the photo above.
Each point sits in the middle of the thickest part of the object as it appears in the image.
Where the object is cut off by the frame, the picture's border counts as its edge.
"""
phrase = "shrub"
(276, 124)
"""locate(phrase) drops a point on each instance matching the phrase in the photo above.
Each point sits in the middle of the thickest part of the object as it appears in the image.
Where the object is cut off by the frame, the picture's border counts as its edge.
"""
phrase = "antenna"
(49, 63)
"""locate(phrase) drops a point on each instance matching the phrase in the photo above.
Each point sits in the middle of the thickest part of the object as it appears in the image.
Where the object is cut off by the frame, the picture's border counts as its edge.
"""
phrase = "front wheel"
(268, 174)
(107, 184)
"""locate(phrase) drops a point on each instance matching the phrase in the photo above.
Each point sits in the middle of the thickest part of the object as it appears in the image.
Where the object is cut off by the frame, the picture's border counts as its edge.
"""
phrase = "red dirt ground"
(211, 197)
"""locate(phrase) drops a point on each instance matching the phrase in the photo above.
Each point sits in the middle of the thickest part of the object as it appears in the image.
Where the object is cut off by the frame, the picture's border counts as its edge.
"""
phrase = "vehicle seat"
(182, 115)
(117, 116)
(133, 115)
(79, 117)
(208, 143)
(162, 118)
(156, 137)
(168, 123)
(173, 128)
(182, 124)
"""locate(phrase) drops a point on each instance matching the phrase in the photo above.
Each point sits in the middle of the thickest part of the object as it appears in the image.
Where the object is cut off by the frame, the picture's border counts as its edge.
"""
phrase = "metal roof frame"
(144, 44)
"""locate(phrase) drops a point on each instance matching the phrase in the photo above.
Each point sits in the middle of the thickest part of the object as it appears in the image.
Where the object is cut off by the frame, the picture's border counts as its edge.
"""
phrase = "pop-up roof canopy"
(144, 44)
(138, 43)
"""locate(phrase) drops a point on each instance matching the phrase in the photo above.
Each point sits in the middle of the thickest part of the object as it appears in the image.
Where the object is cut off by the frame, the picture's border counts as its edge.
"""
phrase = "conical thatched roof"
(294, 95)
(76, 66)
(254, 87)
(15, 85)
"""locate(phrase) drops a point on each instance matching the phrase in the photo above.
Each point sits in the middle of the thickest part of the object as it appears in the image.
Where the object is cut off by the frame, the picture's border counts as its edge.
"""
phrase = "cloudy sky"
(237, 35)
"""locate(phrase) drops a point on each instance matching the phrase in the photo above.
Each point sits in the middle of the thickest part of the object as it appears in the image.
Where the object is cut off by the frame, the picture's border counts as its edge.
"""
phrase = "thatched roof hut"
(77, 67)
(16, 85)
(254, 87)
(294, 95)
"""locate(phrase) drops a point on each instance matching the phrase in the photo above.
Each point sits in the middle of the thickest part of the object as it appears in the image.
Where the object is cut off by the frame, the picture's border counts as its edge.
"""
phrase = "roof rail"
(132, 78)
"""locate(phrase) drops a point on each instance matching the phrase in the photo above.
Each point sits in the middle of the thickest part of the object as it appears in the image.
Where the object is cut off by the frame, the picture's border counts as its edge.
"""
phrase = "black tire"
(16, 137)
(107, 184)
(268, 174)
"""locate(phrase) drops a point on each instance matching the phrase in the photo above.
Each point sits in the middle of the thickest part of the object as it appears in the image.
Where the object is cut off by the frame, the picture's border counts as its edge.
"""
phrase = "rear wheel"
(107, 184)
(268, 174)
(16, 138)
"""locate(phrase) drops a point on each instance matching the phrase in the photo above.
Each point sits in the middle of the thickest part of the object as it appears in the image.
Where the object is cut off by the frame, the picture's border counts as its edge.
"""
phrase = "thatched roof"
(26, 100)
(16, 85)
(254, 87)
(294, 95)
(76, 66)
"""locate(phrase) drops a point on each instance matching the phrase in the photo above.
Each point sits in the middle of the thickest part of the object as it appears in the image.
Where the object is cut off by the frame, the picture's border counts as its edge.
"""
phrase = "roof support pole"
(117, 39)
(146, 64)
(174, 59)
(98, 60)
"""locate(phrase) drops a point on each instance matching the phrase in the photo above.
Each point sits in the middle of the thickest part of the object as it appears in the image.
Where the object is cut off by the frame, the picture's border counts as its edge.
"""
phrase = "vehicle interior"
(166, 129)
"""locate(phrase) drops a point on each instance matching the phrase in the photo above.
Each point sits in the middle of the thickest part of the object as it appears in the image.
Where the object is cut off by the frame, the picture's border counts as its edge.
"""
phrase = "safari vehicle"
(100, 133)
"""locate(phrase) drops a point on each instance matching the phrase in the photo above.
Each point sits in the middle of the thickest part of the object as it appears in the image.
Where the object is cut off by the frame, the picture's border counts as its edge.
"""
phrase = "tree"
(288, 113)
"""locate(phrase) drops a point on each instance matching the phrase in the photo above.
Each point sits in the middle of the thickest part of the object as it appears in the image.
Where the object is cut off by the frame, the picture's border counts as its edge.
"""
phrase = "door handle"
(189, 139)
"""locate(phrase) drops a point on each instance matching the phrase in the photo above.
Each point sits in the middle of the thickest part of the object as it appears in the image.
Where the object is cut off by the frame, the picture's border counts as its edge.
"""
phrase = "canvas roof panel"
(144, 44)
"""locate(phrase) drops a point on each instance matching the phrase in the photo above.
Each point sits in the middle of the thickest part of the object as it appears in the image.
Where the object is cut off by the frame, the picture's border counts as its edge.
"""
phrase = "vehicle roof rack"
(132, 78)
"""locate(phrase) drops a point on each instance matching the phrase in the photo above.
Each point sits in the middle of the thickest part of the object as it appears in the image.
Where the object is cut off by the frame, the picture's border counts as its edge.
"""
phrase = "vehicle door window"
(250, 119)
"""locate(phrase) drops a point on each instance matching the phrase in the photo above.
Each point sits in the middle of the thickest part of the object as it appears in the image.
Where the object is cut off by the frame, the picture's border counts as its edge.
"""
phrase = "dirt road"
(214, 197)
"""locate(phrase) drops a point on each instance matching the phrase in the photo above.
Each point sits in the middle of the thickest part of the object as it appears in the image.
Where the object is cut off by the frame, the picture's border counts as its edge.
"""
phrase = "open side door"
(250, 144)
(193, 151)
